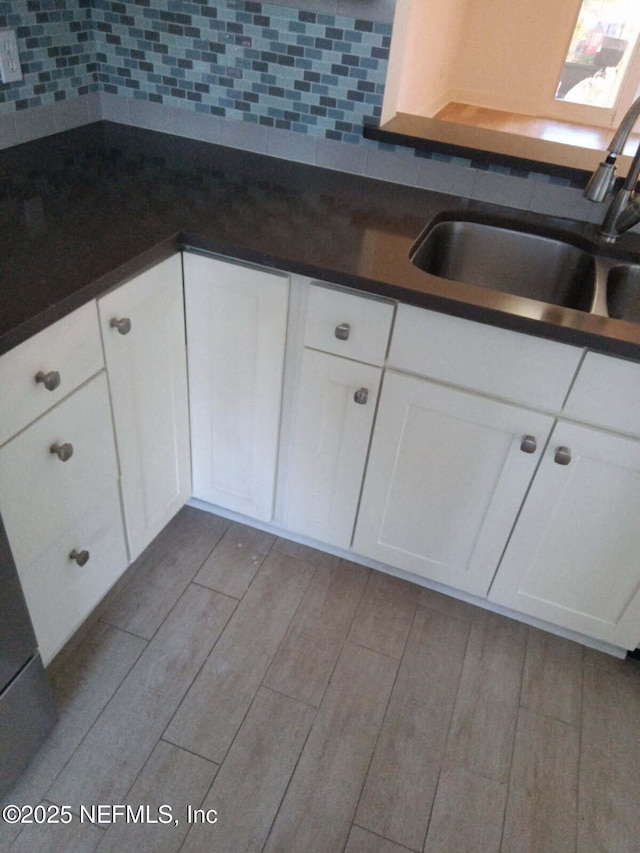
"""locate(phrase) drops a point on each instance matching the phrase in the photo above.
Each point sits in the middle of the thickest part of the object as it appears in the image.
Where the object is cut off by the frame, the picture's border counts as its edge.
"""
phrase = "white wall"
(511, 53)
(426, 34)
(502, 54)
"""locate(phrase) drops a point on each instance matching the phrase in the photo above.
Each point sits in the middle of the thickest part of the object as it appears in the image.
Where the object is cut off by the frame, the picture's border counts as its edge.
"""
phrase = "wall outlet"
(10, 69)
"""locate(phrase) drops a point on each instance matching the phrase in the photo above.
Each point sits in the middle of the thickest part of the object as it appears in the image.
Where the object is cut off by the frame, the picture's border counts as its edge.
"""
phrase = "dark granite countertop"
(82, 210)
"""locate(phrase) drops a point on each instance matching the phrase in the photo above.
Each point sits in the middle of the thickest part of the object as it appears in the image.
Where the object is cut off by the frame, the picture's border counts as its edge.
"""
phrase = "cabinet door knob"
(563, 456)
(123, 325)
(50, 380)
(81, 557)
(361, 396)
(64, 452)
(343, 331)
(528, 444)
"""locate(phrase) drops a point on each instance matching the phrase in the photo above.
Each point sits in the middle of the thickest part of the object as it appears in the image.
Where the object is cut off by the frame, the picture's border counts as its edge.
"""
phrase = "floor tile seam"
(288, 632)
(581, 747)
(241, 724)
(384, 838)
(511, 785)
(208, 657)
(205, 662)
(509, 780)
(155, 552)
(163, 739)
(233, 598)
(447, 738)
(383, 719)
(57, 674)
(98, 717)
(304, 745)
(289, 628)
(260, 564)
(210, 552)
(196, 676)
(131, 633)
(541, 715)
(279, 692)
(289, 781)
(306, 563)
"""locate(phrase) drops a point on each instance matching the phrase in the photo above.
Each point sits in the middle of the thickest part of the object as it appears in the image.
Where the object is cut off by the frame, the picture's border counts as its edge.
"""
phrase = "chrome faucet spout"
(620, 214)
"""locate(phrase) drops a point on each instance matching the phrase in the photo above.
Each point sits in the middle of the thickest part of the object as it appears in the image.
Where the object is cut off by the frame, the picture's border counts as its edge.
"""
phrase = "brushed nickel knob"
(361, 396)
(123, 325)
(342, 331)
(81, 557)
(64, 452)
(50, 380)
(563, 456)
(528, 444)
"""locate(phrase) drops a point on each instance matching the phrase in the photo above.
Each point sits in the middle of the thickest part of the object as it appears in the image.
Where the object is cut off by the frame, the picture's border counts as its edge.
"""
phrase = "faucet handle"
(602, 180)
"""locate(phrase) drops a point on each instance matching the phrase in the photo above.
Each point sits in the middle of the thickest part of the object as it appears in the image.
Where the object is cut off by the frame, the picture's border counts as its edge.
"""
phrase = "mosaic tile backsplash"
(310, 72)
(57, 51)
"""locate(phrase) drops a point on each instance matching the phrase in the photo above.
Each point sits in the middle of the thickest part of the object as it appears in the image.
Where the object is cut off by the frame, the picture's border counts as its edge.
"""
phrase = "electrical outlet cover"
(10, 69)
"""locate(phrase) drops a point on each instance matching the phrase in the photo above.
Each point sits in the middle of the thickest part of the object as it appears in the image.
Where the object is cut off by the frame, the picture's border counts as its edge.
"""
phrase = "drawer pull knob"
(563, 456)
(81, 557)
(50, 380)
(64, 452)
(528, 444)
(342, 332)
(361, 396)
(123, 325)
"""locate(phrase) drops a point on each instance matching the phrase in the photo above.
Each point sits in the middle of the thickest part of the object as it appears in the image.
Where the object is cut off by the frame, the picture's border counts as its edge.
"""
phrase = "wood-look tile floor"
(317, 706)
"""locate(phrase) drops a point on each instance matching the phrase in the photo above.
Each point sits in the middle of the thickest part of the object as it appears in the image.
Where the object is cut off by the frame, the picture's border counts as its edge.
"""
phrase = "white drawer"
(607, 392)
(487, 359)
(39, 494)
(60, 593)
(347, 324)
(71, 347)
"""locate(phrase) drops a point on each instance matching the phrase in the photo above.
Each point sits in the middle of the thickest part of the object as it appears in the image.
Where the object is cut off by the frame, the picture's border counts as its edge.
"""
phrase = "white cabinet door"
(236, 332)
(148, 382)
(445, 480)
(573, 556)
(333, 415)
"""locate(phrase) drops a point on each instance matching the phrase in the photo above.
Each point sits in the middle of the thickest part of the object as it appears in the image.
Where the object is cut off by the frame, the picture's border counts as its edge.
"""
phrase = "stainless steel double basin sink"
(560, 270)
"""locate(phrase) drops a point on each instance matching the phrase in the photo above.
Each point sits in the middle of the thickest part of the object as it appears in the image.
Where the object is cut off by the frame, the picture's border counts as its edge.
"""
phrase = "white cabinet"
(333, 415)
(334, 406)
(447, 474)
(60, 506)
(236, 332)
(573, 557)
(143, 332)
(47, 367)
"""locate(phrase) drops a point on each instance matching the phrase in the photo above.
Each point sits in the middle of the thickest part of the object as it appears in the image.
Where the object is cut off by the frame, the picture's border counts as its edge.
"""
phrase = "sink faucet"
(624, 211)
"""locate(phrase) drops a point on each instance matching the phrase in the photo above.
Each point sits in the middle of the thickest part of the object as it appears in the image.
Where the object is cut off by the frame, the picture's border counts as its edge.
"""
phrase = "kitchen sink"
(510, 261)
(623, 293)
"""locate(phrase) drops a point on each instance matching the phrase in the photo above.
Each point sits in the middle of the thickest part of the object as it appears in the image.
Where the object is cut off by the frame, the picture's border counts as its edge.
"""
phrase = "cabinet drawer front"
(40, 493)
(347, 324)
(71, 348)
(60, 593)
(606, 392)
(493, 361)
